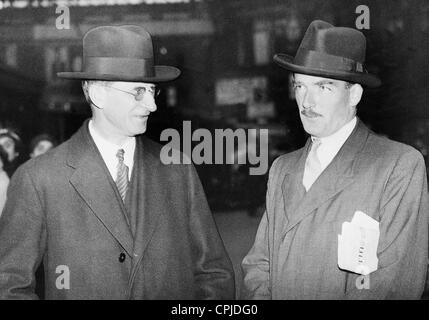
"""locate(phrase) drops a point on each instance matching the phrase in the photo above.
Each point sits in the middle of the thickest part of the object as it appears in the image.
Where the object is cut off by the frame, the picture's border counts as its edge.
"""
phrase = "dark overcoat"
(64, 209)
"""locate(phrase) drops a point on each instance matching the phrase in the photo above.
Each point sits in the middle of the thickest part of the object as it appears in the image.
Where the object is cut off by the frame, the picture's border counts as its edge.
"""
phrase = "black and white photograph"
(225, 150)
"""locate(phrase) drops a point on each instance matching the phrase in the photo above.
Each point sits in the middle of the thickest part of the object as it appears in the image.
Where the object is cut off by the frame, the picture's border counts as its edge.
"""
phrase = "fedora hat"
(330, 52)
(120, 53)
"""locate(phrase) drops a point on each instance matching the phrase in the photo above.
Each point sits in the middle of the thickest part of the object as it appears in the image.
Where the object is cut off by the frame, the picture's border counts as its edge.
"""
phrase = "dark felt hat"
(120, 53)
(330, 52)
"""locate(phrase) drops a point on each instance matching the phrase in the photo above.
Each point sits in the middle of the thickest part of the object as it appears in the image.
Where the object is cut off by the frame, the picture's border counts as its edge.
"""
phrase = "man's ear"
(97, 95)
(356, 92)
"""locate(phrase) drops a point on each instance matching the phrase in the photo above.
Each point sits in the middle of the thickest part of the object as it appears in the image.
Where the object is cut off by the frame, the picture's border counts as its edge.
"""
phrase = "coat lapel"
(337, 176)
(292, 189)
(92, 182)
(148, 195)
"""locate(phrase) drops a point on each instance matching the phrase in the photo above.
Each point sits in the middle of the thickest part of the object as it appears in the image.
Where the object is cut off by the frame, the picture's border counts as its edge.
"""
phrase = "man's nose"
(308, 101)
(148, 102)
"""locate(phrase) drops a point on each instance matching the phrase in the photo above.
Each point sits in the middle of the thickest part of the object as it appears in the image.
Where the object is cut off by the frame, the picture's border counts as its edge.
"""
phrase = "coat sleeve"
(214, 274)
(403, 244)
(256, 264)
(22, 238)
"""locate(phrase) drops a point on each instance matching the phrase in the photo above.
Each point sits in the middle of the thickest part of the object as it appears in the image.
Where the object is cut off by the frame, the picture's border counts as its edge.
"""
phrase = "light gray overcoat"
(295, 252)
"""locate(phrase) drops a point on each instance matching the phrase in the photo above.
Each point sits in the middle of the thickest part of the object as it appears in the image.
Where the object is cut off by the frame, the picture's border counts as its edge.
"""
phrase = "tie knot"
(313, 167)
(120, 155)
(316, 143)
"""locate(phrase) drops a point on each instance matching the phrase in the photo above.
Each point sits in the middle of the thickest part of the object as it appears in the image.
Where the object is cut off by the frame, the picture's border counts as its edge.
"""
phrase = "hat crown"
(118, 42)
(120, 53)
(330, 52)
(338, 41)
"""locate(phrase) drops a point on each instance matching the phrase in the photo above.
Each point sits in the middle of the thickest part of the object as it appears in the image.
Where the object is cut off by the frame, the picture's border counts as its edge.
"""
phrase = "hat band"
(128, 66)
(320, 60)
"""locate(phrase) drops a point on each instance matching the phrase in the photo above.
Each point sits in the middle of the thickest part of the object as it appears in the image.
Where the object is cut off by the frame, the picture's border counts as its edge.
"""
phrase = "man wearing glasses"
(106, 217)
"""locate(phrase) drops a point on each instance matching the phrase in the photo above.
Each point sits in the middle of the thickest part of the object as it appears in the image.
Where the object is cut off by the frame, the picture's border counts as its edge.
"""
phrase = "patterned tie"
(313, 167)
(122, 174)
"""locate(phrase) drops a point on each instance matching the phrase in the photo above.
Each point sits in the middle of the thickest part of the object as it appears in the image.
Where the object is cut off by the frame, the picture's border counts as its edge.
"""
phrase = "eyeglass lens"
(141, 91)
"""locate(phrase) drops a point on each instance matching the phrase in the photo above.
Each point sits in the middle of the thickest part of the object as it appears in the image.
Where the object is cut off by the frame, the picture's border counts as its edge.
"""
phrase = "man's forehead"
(126, 84)
(304, 78)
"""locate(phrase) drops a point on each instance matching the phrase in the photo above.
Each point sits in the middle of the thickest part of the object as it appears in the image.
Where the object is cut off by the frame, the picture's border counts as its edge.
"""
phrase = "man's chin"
(139, 127)
(310, 130)
(138, 131)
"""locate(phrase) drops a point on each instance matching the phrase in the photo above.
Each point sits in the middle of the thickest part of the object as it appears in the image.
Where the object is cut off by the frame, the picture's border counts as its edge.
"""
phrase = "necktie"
(313, 167)
(122, 174)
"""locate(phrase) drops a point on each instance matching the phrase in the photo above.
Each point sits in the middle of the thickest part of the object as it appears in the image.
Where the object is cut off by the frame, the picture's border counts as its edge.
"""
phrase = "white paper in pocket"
(357, 244)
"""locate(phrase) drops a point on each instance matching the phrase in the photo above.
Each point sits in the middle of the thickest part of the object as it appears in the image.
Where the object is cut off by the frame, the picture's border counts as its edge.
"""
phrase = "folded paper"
(357, 244)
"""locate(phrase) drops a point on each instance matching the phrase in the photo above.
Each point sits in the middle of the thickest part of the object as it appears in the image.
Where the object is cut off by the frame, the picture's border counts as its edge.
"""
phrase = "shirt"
(108, 151)
(330, 145)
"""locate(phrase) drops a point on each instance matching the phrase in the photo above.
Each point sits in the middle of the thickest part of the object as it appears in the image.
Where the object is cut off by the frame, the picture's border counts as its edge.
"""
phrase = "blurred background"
(224, 49)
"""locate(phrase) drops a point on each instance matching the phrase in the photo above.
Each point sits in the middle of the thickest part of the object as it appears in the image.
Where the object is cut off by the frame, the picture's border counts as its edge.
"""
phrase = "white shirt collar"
(108, 151)
(330, 145)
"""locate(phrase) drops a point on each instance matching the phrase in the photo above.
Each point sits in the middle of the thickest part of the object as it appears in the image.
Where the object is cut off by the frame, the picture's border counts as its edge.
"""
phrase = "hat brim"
(366, 79)
(162, 74)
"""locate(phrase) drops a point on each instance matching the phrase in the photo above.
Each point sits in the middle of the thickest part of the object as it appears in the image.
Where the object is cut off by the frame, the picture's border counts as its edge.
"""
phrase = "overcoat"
(64, 209)
(295, 251)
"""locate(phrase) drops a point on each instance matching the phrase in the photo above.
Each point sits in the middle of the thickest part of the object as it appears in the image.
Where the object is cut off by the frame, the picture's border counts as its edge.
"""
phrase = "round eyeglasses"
(140, 92)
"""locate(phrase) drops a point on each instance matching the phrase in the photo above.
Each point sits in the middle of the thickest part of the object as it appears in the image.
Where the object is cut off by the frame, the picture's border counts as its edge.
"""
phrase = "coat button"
(122, 257)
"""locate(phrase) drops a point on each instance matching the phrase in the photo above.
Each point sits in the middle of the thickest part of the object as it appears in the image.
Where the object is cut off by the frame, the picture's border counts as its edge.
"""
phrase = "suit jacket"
(295, 251)
(64, 208)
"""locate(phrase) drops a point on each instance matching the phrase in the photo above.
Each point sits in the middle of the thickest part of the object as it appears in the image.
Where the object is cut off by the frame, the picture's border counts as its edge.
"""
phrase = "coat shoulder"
(284, 162)
(48, 162)
(174, 165)
(381, 147)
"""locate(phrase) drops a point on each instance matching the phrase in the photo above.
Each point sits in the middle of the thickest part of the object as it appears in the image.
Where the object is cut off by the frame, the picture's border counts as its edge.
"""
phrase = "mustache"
(310, 113)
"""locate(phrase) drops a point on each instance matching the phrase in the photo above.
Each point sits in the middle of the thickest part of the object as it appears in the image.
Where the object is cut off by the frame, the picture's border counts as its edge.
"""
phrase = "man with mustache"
(106, 217)
(344, 171)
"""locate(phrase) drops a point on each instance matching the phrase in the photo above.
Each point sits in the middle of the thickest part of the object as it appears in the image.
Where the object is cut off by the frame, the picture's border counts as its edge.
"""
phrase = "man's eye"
(297, 86)
(324, 88)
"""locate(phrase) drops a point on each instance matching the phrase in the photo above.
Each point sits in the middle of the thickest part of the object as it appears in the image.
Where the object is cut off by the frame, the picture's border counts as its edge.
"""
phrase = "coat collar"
(91, 174)
(292, 187)
(337, 176)
(91, 180)
(148, 193)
